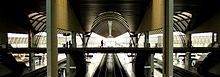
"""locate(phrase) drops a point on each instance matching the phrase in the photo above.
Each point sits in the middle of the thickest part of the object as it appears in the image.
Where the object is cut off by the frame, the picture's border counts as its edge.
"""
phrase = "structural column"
(74, 44)
(52, 51)
(85, 39)
(135, 40)
(188, 54)
(70, 60)
(213, 37)
(150, 62)
(31, 54)
(79, 57)
(4, 40)
(140, 60)
(168, 40)
(217, 37)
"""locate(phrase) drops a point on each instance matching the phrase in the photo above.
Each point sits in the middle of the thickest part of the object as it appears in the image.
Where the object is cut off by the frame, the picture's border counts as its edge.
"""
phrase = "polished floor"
(93, 63)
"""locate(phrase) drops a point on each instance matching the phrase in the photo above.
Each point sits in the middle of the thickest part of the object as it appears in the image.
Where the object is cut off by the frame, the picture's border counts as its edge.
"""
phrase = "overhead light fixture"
(110, 29)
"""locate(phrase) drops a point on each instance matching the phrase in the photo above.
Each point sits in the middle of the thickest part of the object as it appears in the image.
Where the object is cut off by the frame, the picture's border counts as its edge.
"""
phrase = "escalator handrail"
(101, 64)
(122, 71)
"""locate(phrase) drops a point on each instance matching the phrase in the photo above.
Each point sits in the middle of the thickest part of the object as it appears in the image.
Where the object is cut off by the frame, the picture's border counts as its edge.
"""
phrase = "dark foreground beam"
(112, 50)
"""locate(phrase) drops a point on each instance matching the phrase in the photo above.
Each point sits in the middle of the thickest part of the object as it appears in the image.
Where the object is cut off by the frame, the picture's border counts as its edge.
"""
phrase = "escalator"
(110, 67)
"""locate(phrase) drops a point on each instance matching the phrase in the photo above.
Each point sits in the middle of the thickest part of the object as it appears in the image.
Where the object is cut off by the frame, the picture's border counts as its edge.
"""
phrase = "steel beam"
(31, 54)
(112, 50)
(135, 59)
(52, 51)
(68, 73)
(217, 37)
(74, 43)
(168, 39)
(134, 39)
(70, 60)
(150, 61)
(214, 37)
(85, 40)
(188, 54)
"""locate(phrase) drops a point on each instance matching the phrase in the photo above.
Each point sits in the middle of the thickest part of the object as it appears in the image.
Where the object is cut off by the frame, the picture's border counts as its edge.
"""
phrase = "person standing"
(102, 43)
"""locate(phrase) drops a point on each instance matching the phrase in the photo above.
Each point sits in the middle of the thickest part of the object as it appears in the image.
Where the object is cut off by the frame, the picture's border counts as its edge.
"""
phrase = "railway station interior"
(109, 38)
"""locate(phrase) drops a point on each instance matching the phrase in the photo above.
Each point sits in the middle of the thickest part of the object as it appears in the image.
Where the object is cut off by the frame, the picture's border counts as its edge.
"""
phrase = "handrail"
(121, 69)
(101, 64)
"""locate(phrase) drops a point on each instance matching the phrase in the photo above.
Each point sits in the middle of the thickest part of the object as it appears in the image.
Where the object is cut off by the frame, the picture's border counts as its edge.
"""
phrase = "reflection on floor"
(93, 63)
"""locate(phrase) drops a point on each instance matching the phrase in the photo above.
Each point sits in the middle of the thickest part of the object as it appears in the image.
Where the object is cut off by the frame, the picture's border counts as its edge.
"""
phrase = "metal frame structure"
(113, 50)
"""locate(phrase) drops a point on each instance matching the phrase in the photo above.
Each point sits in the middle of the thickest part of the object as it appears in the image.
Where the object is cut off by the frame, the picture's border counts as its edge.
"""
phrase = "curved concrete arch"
(119, 23)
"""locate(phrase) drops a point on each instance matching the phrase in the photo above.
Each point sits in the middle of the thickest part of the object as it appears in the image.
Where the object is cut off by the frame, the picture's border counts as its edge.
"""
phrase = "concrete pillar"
(214, 37)
(70, 60)
(135, 40)
(168, 39)
(140, 61)
(217, 37)
(188, 54)
(76, 63)
(74, 43)
(160, 42)
(85, 40)
(146, 40)
(3, 39)
(150, 61)
(31, 54)
(52, 51)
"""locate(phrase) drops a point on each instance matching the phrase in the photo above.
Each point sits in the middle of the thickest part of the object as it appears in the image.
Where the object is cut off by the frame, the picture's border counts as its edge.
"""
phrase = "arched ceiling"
(102, 26)
(25, 15)
(88, 10)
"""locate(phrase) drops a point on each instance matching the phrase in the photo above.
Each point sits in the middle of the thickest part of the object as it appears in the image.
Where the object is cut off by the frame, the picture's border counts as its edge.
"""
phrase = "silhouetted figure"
(67, 44)
(102, 43)
(70, 44)
(64, 45)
